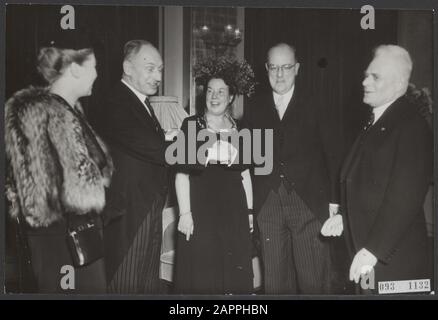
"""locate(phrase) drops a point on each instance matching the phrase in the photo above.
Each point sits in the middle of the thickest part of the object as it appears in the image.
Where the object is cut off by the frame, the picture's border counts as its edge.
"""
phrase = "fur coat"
(53, 170)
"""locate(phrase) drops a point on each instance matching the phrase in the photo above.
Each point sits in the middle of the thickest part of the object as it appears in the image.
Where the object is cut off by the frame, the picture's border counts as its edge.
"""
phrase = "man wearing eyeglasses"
(294, 201)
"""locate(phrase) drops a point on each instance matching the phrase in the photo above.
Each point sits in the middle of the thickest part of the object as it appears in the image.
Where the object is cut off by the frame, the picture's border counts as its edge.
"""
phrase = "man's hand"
(222, 152)
(185, 224)
(171, 134)
(333, 209)
(363, 262)
(333, 226)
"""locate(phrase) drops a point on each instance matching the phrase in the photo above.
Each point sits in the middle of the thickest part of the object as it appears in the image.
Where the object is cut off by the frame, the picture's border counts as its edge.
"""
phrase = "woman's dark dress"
(217, 258)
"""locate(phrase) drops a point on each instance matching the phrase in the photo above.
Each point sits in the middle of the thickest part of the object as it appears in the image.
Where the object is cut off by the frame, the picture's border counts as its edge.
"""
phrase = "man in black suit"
(293, 202)
(133, 215)
(386, 175)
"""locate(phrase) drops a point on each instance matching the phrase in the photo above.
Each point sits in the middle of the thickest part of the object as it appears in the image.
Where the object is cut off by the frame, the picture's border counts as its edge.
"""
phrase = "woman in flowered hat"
(214, 248)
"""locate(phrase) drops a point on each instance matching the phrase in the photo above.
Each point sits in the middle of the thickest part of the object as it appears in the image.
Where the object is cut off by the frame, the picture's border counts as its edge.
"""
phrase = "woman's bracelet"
(184, 213)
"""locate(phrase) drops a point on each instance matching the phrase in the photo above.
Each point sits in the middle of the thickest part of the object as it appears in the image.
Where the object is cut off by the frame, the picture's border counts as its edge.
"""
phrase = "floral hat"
(237, 74)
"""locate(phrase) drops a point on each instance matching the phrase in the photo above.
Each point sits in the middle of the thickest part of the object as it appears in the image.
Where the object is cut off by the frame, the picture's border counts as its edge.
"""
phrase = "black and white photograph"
(219, 150)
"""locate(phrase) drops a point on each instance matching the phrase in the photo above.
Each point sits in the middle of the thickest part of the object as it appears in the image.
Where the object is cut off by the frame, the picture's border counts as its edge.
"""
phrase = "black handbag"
(84, 240)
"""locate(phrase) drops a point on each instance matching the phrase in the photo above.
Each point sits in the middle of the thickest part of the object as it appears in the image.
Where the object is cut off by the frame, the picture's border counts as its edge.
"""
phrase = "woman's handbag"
(85, 241)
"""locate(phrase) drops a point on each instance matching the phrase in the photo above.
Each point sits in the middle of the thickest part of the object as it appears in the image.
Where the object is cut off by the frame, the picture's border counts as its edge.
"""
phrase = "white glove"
(333, 226)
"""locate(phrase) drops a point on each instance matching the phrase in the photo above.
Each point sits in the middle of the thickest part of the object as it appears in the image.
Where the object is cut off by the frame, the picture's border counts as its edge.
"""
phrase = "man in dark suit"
(292, 203)
(137, 193)
(386, 175)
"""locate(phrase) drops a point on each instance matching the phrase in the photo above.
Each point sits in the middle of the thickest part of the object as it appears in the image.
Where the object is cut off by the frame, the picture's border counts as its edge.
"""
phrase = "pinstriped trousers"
(295, 259)
(138, 272)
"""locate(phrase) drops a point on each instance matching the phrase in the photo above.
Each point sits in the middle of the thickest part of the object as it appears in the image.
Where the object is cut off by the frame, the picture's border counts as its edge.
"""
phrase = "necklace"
(226, 116)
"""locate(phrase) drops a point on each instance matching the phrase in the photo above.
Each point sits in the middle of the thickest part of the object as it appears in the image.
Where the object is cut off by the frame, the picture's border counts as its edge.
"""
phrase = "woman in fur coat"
(60, 169)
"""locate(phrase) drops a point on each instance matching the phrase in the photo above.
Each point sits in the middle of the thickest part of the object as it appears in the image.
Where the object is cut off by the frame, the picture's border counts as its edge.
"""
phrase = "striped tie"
(153, 116)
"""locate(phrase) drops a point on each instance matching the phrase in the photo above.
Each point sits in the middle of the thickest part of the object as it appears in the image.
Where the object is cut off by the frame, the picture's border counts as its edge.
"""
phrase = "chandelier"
(219, 39)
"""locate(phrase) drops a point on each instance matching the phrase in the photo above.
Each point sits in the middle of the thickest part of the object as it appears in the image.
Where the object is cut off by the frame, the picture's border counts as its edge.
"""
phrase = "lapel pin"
(382, 129)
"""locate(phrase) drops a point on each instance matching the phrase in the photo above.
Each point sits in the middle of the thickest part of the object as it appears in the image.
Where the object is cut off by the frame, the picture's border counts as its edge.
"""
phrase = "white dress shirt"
(139, 95)
(282, 101)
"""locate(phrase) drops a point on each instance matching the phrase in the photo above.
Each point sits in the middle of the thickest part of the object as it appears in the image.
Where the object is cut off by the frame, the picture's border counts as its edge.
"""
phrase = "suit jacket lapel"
(382, 124)
(390, 116)
(291, 108)
(272, 110)
(352, 156)
(296, 105)
(138, 108)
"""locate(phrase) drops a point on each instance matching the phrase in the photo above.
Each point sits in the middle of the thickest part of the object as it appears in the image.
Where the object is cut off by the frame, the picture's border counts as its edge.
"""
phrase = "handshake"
(221, 152)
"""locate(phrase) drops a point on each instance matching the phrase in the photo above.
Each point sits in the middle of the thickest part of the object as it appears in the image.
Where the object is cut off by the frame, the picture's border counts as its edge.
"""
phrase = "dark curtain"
(333, 52)
(30, 26)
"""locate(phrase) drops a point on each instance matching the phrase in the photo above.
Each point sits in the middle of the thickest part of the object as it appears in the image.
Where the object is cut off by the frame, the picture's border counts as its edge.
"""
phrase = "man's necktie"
(153, 116)
(370, 121)
(279, 106)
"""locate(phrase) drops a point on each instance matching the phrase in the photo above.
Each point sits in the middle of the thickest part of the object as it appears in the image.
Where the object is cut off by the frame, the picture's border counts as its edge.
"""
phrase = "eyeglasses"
(285, 68)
